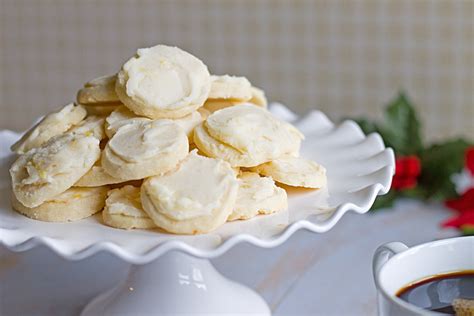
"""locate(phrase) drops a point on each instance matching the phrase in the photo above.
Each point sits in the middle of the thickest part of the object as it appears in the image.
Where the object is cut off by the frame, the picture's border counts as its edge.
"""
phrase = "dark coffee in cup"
(449, 293)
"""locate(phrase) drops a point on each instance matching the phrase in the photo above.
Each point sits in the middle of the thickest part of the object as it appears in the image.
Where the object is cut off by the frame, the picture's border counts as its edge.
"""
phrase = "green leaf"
(439, 162)
(384, 201)
(414, 193)
(401, 129)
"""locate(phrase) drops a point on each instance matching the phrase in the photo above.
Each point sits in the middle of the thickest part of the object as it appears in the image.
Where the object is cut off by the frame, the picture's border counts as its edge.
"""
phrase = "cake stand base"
(177, 283)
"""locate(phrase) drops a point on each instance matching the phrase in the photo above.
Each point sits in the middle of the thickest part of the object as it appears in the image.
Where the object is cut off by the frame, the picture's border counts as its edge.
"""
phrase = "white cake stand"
(183, 281)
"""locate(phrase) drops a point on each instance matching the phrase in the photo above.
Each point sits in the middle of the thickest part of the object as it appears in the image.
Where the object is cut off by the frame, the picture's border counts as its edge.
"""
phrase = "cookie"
(195, 198)
(257, 195)
(246, 136)
(204, 113)
(230, 87)
(47, 171)
(123, 209)
(99, 90)
(144, 149)
(120, 117)
(97, 177)
(51, 125)
(211, 147)
(71, 205)
(294, 171)
(189, 122)
(213, 105)
(102, 81)
(92, 125)
(258, 97)
(163, 82)
(101, 109)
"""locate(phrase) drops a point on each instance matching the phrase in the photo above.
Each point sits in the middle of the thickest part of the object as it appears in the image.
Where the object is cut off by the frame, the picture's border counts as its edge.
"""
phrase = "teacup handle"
(384, 252)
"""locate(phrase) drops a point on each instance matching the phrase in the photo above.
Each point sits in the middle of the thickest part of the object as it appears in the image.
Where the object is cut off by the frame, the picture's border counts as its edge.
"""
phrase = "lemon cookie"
(211, 147)
(123, 209)
(102, 81)
(230, 87)
(97, 177)
(189, 122)
(195, 198)
(101, 109)
(99, 90)
(294, 171)
(71, 205)
(163, 82)
(213, 105)
(257, 195)
(144, 149)
(246, 136)
(51, 125)
(44, 172)
(258, 97)
(204, 113)
(120, 117)
(92, 125)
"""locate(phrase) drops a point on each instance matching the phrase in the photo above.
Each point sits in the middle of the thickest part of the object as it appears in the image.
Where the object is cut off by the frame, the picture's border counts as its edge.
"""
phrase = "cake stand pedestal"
(177, 283)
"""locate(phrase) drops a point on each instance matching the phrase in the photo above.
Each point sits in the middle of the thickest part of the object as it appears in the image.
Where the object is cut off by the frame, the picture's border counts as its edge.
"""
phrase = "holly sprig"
(401, 130)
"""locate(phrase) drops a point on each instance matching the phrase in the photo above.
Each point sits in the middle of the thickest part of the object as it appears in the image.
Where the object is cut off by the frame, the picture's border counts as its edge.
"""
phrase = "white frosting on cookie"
(120, 117)
(125, 201)
(257, 195)
(196, 197)
(253, 130)
(51, 169)
(51, 125)
(163, 82)
(230, 87)
(142, 149)
(92, 125)
(139, 141)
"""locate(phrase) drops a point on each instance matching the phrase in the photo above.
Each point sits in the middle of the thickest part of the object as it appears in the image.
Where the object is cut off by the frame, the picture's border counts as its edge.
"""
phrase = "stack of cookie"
(161, 144)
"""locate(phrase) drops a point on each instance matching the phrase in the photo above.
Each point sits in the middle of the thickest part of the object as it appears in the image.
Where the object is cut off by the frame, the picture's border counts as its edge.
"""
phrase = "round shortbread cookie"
(102, 81)
(213, 148)
(255, 131)
(230, 87)
(195, 198)
(101, 109)
(258, 97)
(120, 117)
(189, 122)
(46, 171)
(92, 125)
(257, 195)
(294, 171)
(123, 209)
(97, 177)
(163, 82)
(145, 149)
(213, 105)
(51, 125)
(247, 139)
(99, 90)
(71, 205)
(204, 113)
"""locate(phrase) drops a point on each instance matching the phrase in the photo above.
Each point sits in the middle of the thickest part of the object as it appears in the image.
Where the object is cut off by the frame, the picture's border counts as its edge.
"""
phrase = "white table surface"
(311, 274)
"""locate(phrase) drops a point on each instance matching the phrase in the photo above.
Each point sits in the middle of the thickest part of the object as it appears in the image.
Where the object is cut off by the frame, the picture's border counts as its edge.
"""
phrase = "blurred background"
(347, 58)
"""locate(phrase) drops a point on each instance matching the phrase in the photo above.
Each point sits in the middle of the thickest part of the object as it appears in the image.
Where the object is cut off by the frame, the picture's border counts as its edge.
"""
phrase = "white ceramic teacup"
(395, 266)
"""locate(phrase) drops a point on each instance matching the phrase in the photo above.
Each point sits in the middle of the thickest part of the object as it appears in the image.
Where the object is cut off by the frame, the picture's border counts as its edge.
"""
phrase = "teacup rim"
(397, 300)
